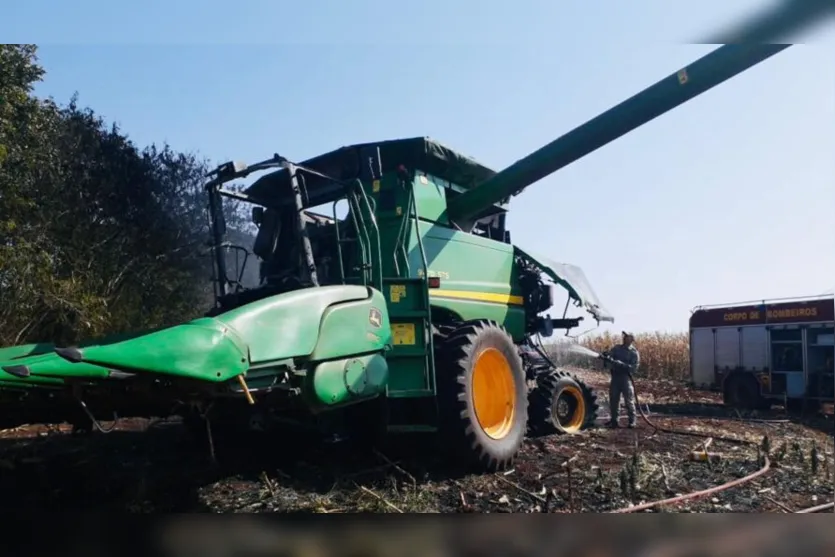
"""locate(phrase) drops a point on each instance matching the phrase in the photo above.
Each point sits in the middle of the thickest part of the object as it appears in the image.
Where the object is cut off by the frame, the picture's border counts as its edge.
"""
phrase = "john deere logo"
(375, 318)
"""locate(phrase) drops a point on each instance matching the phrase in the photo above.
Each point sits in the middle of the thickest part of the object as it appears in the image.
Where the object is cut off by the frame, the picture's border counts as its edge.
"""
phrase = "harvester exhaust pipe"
(672, 91)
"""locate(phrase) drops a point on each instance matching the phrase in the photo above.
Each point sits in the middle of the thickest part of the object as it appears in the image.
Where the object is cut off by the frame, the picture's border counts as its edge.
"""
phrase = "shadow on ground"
(820, 422)
(164, 469)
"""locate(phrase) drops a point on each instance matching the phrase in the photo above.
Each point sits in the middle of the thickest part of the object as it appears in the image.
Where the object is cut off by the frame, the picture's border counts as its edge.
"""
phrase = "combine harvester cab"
(412, 312)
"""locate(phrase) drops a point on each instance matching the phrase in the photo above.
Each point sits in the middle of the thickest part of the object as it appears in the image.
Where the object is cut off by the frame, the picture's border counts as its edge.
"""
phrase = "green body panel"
(352, 327)
(348, 363)
(50, 368)
(478, 276)
(24, 350)
(287, 325)
(276, 328)
(204, 349)
(47, 368)
(430, 198)
(336, 383)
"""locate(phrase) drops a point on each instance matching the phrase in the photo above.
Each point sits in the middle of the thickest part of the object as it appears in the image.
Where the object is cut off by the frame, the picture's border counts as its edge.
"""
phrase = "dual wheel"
(561, 403)
(486, 406)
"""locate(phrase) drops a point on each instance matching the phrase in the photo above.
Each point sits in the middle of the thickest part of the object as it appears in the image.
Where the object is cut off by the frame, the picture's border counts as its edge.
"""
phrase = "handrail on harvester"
(677, 88)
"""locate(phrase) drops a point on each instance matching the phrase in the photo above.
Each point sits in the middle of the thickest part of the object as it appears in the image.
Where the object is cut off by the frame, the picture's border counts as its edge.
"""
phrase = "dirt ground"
(144, 466)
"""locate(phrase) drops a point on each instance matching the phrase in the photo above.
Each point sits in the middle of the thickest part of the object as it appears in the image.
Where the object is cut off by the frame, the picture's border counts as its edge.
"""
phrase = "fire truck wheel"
(743, 392)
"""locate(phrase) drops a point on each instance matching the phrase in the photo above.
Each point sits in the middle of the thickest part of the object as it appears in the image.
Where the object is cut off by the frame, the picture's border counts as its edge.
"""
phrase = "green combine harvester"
(412, 313)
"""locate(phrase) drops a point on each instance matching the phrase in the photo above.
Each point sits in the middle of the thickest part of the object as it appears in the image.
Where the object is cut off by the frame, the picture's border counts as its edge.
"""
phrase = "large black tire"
(561, 403)
(743, 392)
(482, 395)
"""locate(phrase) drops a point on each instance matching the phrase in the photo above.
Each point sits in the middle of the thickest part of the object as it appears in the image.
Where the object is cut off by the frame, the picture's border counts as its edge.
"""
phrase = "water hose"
(696, 494)
(817, 508)
(704, 492)
(657, 427)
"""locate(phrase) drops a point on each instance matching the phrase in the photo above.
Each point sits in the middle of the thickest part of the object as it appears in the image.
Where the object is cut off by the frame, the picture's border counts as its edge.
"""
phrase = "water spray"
(589, 353)
(583, 351)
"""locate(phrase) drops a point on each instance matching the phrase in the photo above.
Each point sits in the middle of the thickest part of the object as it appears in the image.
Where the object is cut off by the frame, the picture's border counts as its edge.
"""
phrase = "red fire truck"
(765, 352)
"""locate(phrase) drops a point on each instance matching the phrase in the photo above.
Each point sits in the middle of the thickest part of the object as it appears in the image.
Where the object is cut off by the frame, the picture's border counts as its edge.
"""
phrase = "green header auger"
(413, 312)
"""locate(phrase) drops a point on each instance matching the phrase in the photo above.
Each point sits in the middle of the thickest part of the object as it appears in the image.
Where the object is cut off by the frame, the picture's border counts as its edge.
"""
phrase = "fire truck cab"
(766, 352)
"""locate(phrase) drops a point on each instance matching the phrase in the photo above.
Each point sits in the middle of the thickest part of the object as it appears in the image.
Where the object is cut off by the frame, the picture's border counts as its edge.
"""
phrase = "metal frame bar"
(765, 301)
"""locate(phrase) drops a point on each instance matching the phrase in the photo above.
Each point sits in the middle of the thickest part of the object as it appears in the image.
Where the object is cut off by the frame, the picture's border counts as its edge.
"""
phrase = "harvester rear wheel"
(561, 403)
(482, 390)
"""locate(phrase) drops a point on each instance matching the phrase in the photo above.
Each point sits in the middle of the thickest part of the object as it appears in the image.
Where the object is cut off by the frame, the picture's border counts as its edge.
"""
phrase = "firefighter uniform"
(620, 385)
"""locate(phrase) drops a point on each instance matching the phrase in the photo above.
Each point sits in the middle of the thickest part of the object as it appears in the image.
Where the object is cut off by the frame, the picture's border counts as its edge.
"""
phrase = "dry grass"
(663, 355)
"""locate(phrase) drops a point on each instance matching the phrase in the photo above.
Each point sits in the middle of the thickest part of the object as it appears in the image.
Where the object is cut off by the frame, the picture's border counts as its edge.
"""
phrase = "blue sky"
(727, 198)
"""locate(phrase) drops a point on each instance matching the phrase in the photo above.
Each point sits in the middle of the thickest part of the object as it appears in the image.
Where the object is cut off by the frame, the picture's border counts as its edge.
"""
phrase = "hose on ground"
(817, 508)
(674, 415)
(696, 494)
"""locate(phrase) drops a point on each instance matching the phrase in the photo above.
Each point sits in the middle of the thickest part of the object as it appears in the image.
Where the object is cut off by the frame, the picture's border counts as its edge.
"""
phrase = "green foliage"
(96, 234)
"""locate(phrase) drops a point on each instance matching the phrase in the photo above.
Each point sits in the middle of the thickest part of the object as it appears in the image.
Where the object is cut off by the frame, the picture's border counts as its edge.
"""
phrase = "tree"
(26, 126)
(96, 235)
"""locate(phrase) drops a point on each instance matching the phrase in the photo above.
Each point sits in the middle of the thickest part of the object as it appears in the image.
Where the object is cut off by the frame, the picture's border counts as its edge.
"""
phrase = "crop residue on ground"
(144, 467)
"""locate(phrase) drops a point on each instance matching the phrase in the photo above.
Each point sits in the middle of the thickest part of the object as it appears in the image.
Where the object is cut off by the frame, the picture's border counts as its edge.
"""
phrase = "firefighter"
(620, 384)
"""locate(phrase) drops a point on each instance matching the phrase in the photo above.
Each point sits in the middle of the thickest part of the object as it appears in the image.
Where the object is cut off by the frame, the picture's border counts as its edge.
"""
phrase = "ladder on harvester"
(411, 393)
(411, 386)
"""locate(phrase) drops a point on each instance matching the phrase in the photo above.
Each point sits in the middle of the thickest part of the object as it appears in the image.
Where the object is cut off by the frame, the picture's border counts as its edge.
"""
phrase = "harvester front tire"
(483, 395)
(561, 403)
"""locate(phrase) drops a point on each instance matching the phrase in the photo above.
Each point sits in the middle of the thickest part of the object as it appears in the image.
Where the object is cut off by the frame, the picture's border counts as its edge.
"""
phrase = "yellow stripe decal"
(478, 296)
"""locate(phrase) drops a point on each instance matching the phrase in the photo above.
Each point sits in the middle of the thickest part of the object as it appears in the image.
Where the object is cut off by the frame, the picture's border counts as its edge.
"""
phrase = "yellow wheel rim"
(570, 409)
(494, 393)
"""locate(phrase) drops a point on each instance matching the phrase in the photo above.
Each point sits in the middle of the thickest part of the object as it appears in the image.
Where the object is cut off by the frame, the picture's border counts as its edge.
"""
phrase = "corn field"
(663, 355)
